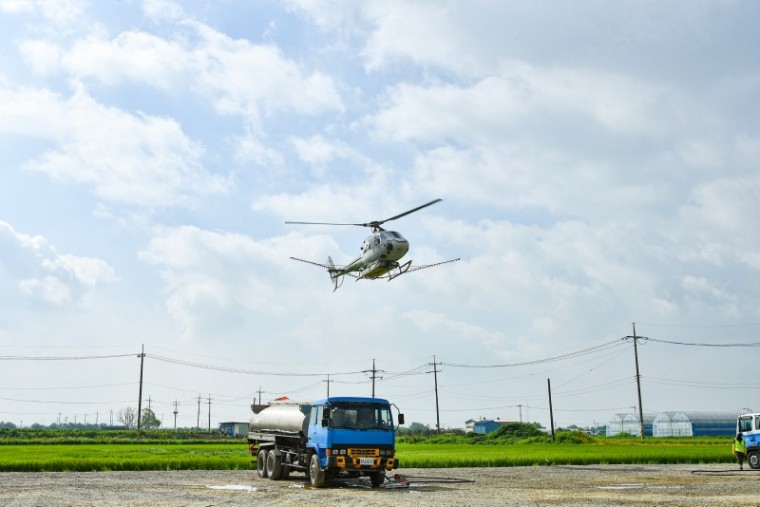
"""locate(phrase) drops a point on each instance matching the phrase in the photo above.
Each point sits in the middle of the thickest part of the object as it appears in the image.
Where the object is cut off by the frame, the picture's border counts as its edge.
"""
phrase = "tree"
(149, 419)
(416, 428)
(128, 417)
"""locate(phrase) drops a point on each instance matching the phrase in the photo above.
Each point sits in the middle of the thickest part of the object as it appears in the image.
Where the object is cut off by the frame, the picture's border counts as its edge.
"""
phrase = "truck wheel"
(261, 463)
(274, 466)
(377, 479)
(316, 474)
(753, 458)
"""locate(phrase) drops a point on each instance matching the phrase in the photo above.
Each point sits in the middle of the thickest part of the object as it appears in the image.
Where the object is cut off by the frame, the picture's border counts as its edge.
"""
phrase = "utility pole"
(198, 422)
(520, 407)
(139, 400)
(209, 413)
(638, 379)
(328, 385)
(374, 371)
(260, 391)
(175, 415)
(551, 409)
(435, 380)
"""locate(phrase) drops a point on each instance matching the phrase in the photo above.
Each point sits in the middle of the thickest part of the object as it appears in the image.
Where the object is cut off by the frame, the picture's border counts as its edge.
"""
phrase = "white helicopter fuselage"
(381, 252)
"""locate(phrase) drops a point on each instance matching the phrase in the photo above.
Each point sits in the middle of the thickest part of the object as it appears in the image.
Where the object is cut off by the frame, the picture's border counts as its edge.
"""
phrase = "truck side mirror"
(400, 419)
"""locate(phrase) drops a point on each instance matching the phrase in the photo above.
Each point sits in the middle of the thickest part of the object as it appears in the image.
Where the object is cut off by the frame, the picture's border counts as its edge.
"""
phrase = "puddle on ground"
(636, 486)
(233, 487)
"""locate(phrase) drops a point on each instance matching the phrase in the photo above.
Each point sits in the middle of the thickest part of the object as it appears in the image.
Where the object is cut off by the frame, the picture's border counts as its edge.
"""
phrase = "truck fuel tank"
(281, 418)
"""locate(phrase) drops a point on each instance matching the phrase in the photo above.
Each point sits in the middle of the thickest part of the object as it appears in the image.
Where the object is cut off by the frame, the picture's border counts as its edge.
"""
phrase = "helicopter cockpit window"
(376, 241)
(394, 234)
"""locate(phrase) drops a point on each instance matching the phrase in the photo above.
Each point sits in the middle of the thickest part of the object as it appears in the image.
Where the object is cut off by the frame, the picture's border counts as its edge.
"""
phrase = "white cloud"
(57, 11)
(508, 100)
(133, 56)
(138, 159)
(42, 273)
(255, 80)
(209, 273)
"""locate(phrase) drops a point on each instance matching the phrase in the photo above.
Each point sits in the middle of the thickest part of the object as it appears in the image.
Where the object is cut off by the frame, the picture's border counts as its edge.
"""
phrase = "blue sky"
(597, 164)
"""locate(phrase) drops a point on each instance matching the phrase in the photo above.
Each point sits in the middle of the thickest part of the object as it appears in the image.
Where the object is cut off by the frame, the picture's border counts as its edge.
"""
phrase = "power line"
(694, 344)
(244, 371)
(569, 355)
(60, 358)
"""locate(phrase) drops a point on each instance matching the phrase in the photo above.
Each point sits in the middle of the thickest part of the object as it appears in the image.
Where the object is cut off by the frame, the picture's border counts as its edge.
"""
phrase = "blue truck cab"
(749, 426)
(351, 436)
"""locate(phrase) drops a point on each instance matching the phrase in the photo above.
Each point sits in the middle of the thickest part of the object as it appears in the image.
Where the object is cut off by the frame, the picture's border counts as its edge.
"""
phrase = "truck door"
(317, 434)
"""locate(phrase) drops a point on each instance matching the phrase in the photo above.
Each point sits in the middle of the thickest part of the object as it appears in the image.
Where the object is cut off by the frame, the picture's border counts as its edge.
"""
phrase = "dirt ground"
(672, 485)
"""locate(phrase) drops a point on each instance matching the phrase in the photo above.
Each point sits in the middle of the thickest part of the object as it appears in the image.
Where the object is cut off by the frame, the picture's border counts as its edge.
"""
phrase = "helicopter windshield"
(390, 234)
(360, 416)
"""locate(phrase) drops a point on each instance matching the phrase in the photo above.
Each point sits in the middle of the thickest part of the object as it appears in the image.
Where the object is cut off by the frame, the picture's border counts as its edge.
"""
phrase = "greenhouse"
(694, 424)
(615, 425)
(629, 423)
(632, 426)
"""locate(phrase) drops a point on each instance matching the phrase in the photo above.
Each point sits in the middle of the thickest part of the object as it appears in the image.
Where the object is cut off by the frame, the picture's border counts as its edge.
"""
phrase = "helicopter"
(381, 252)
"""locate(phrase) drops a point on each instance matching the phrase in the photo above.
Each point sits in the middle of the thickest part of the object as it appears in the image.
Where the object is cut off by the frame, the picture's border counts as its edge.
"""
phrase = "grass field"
(233, 455)
(462, 455)
(145, 456)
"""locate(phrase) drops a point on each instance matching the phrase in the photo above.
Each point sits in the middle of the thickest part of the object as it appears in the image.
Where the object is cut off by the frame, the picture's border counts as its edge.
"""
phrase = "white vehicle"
(749, 426)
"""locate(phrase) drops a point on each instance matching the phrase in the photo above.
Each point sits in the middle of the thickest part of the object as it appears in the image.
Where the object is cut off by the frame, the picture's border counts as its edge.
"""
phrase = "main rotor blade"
(323, 223)
(407, 212)
(375, 223)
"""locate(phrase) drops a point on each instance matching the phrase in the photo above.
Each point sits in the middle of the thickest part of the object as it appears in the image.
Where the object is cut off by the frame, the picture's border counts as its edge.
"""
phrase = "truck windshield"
(360, 416)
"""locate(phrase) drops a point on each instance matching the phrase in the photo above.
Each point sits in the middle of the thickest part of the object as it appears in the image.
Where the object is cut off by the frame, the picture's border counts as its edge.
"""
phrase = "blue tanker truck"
(326, 439)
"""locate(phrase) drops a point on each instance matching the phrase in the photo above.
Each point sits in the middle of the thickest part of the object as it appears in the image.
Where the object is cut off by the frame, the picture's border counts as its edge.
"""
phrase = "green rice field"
(233, 455)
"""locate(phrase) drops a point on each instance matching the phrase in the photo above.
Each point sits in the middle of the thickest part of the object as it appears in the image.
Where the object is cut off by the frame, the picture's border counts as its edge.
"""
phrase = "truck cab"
(749, 426)
(351, 436)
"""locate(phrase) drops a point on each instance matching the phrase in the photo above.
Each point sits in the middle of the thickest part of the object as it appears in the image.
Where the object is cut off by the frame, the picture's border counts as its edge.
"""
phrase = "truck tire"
(274, 465)
(316, 474)
(753, 459)
(377, 479)
(261, 463)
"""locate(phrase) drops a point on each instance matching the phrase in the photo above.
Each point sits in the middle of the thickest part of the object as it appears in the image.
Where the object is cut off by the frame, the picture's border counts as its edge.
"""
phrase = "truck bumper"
(349, 463)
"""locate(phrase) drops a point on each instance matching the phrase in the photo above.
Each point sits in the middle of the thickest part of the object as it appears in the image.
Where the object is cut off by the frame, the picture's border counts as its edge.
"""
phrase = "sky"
(597, 165)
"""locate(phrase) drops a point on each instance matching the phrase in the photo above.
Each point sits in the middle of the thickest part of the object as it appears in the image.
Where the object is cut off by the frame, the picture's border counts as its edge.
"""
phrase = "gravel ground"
(694, 485)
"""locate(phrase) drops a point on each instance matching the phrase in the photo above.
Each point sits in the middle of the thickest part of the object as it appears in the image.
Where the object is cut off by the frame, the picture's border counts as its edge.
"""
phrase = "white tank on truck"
(327, 439)
(280, 418)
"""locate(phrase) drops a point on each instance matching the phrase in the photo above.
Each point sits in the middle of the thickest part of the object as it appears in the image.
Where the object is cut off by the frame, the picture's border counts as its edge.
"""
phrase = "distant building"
(234, 429)
(615, 425)
(674, 424)
(632, 425)
(694, 424)
(629, 423)
(487, 425)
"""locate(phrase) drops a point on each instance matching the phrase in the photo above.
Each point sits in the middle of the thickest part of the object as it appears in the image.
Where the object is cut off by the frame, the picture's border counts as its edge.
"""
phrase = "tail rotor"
(335, 274)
